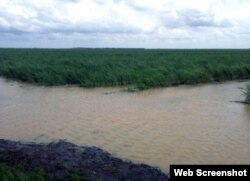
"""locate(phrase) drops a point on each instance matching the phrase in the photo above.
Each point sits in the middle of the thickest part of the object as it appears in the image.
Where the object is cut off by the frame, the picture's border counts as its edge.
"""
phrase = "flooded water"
(178, 125)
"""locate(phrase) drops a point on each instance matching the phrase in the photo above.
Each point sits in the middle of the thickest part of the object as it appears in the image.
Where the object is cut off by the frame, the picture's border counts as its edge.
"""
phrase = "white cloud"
(125, 23)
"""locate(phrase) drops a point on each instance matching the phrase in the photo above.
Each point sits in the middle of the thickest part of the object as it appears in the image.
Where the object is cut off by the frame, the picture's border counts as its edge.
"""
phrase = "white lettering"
(181, 172)
(199, 172)
(230, 173)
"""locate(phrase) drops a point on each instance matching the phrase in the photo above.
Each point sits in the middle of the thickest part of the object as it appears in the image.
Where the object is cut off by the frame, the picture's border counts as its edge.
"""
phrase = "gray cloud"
(196, 18)
(69, 1)
(192, 18)
(120, 23)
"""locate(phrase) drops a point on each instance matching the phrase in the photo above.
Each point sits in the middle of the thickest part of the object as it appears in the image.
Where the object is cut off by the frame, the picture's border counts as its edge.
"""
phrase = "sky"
(125, 23)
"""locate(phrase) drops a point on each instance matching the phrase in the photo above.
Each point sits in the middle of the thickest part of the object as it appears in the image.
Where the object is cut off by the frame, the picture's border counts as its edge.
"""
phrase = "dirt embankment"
(62, 159)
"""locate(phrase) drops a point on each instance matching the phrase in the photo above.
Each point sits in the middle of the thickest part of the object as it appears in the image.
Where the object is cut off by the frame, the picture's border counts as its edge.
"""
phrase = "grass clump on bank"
(117, 67)
(247, 94)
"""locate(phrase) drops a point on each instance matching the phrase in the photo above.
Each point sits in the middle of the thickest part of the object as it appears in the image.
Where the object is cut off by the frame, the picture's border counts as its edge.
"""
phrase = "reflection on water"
(179, 125)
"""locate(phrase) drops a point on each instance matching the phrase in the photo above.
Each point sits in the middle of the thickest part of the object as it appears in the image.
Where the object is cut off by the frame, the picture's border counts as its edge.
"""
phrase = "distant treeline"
(118, 67)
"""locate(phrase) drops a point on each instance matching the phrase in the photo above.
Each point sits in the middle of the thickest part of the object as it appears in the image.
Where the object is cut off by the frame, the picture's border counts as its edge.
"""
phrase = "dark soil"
(62, 159)
(242, 102)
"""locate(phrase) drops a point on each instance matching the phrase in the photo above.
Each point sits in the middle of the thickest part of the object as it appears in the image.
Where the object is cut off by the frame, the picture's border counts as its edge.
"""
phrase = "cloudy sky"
(125, 23)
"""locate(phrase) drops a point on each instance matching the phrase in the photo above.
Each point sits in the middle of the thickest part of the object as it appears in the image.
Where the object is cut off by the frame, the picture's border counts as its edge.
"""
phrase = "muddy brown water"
(177, 125)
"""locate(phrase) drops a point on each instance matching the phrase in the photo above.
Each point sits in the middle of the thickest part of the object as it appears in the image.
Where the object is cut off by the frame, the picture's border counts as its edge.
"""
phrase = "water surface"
(177, 125)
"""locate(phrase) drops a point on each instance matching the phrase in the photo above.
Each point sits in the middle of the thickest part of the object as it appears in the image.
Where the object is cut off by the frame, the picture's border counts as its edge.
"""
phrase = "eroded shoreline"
(61, 159)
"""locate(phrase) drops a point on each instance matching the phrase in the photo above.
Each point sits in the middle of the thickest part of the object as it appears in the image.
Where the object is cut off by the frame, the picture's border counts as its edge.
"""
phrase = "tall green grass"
(117, 67)
(10, 173)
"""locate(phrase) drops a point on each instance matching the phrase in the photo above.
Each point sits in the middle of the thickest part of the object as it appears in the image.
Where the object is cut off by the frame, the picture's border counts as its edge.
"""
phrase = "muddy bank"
(62, 159)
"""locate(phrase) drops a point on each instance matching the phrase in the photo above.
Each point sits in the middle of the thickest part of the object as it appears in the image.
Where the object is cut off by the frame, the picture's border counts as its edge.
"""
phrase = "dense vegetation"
(116, 67)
